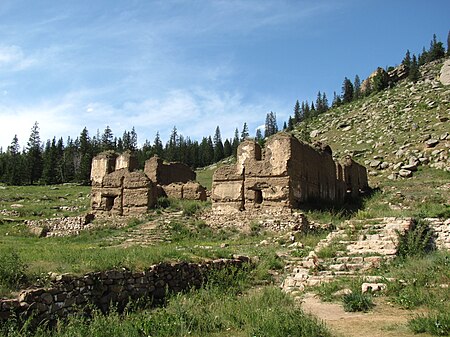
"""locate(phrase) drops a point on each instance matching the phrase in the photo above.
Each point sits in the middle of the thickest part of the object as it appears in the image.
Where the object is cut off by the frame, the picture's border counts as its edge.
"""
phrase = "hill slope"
(390, 129)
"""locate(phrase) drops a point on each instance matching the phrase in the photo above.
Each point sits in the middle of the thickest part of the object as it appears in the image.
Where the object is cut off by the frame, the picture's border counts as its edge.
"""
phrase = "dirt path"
(382, 321)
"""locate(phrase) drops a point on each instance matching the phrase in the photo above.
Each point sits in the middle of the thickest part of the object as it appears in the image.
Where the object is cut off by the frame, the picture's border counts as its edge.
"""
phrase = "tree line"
(57, 161)
(352, 91)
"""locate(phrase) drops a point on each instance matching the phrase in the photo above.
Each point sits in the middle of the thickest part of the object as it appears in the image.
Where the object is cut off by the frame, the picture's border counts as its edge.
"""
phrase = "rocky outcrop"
(445, 73)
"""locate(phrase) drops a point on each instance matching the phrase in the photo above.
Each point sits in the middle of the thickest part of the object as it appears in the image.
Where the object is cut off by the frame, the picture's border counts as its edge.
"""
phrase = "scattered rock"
(410, 167)
(405, 173)
(372, 287)
(432, 142)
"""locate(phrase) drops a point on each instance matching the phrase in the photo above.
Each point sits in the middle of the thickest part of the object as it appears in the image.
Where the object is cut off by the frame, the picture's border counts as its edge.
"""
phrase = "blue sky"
(193, 64)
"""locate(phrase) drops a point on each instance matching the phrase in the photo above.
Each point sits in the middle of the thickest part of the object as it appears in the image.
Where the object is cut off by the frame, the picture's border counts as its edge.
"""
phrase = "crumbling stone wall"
(118, 189)
(68, 294)
(287, 174)
(167, 173)
(174, 180)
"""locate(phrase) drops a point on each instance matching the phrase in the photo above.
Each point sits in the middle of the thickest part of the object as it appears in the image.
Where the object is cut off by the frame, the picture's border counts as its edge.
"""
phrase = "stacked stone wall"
(68, 294)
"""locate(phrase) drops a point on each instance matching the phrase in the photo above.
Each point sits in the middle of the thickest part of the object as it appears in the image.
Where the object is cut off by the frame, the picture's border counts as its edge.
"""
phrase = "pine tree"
(218, 146)
(380, 81)
(347, 91)
(158, 148)
(357, 87)
(325, 102)
(436, 51)
(407, 61)
(297, 112)
(235, 143)
(336, 100)
(227, 148)
(50, 166)
(34, 155)
(270, 127)
(319, 104)
(306, 111)
(414, 72)
(171, 146)
(14, 164)
(85, 155)
(290, 124)
(244, 134)
(448, 43)
(107, 140)
(133, 140)
(284, 125)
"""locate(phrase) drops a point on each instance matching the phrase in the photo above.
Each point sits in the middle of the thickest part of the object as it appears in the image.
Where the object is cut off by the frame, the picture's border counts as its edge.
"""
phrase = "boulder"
(445, 73)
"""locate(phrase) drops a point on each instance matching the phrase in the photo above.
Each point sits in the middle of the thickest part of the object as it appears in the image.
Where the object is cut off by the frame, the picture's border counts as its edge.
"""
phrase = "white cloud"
(195, 113)
(13, 58)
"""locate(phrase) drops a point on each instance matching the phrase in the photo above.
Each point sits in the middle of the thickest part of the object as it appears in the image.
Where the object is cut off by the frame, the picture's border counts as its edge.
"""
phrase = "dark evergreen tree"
(448, 43)
(347, 91)
(380, 81)
(69, 160)
(34, 155)
(218, 146)
(357, 87)
(306, 110)
(133, 140)
(436, 51)
(85, 155)
(50, 166)
(14, 170)
(290, 124)
(171, 152)
(244, 134)
(107, 140)
(285, 126)
(158, 146)
(336, 100)
(407, 61)
(270, 126)
(235, 143)
(414, 72)
(297, 112)
(227, 148)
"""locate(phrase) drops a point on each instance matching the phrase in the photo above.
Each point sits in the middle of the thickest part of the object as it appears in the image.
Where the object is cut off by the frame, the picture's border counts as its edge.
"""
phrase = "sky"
(192, 64)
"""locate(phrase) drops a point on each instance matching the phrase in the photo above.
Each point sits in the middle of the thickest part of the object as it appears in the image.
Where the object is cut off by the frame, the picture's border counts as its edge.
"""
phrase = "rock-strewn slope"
(394, 131)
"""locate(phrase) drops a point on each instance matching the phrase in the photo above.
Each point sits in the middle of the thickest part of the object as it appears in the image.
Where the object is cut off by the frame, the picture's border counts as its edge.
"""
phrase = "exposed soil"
(384, 320)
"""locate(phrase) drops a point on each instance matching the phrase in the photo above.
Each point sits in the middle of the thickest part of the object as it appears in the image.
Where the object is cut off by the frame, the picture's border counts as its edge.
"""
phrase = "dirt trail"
(382, 321)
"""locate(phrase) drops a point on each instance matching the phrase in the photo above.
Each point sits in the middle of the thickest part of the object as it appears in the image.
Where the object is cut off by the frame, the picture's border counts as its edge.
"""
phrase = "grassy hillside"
(391, 126)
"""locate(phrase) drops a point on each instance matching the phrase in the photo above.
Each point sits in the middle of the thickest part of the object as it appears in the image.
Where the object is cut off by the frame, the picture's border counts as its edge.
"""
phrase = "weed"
(357, 301)
(418, 240)
(437, 324)
(12, 270)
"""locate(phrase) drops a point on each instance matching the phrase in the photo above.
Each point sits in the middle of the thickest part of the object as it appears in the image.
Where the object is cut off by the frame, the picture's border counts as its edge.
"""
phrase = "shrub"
(12, 270)
(163, 202)
(437, 324)
(357, 301)
(191, 207)
(417, 241)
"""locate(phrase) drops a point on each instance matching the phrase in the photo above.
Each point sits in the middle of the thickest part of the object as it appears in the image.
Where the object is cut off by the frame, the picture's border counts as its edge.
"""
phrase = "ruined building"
(118, 188)
(283, 176)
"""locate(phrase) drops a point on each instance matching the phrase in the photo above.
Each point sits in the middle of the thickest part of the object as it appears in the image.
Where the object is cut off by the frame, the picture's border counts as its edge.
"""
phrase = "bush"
(437, 324)
(12, 270)
(357, 301)
(191, 207)
(418, 241)
(163, 202)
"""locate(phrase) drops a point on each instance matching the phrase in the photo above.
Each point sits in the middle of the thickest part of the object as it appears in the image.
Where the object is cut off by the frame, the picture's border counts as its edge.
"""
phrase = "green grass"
(215, 310)
(204, 176)
(37, 202)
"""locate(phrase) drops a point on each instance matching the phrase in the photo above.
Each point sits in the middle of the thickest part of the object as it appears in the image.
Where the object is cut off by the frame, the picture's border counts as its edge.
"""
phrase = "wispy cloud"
(12, 58)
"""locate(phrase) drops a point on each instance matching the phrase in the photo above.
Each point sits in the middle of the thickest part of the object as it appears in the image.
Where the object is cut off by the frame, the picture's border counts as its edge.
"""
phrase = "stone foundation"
(68, 294)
